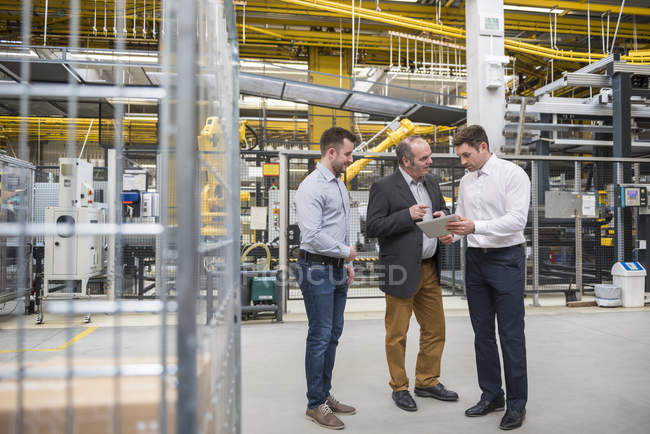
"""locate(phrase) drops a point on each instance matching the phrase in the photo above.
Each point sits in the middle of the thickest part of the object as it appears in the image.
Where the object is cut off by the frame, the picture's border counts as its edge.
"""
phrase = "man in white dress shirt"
(493, 201)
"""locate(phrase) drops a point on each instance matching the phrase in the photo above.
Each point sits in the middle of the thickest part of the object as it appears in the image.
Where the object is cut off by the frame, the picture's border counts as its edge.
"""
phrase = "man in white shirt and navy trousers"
(493, 201)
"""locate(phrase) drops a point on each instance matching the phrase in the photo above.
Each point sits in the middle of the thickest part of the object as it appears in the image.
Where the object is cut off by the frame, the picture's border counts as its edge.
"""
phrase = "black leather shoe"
(484, 407)
(439, 391)
(512, 419)
(404, 400)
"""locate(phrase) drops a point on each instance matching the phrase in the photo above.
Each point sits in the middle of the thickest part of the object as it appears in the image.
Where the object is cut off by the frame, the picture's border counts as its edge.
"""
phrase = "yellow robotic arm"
(211, 149)
(406, 129)
(242, 132)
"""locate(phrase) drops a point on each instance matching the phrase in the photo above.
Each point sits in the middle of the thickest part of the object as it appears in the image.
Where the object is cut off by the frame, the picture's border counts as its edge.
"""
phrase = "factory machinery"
(71, 259)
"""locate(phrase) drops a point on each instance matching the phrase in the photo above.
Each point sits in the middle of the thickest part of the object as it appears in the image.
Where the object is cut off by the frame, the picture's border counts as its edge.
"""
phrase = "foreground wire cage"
(152, 87)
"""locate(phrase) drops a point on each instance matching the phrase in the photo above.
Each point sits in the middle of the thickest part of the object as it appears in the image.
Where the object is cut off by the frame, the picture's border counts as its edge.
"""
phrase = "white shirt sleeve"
(460, 208)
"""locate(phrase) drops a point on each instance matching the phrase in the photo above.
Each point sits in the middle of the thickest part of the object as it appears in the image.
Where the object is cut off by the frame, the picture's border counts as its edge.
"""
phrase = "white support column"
(485, 75)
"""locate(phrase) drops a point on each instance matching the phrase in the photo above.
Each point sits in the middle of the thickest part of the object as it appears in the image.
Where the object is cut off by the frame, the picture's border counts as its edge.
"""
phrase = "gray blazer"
(400, 240)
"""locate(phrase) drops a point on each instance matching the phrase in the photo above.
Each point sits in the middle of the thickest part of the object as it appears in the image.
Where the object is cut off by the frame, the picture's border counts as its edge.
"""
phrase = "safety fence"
(88, 363)
(565, 254)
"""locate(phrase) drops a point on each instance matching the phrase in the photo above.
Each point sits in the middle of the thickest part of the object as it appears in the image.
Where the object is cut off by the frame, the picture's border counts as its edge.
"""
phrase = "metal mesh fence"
(16, 182)
(577, 246)
(135, 253)
(446, 170)
(552, 242)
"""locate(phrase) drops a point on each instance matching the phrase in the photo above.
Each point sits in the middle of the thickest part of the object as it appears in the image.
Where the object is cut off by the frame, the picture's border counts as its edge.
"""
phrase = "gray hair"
(404, 150)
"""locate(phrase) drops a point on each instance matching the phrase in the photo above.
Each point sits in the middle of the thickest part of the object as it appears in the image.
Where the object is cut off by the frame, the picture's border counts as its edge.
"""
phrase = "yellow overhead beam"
(334, 68)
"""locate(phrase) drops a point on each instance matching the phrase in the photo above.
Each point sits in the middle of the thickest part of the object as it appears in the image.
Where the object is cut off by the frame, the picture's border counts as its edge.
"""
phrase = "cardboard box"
(97, 403)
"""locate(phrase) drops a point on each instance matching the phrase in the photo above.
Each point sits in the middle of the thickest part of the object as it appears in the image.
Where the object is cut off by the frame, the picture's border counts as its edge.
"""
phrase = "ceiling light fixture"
(533, 9)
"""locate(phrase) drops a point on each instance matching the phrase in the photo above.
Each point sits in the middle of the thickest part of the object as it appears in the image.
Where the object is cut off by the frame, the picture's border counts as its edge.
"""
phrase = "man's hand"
(353, 254)
(418, 211)
(462, 227)
(350, 274)
(446, 239)
(438, 214)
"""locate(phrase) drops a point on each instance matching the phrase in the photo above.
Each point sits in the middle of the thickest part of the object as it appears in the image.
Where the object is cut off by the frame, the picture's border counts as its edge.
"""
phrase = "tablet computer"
(436, 228)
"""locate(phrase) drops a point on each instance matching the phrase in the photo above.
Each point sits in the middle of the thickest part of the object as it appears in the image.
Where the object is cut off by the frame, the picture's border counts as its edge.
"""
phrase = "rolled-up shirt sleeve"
(460, 209)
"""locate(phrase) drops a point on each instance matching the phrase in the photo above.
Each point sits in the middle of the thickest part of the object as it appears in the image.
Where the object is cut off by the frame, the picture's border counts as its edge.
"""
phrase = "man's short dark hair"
(333, 138)
(404, 150)
(473, 135)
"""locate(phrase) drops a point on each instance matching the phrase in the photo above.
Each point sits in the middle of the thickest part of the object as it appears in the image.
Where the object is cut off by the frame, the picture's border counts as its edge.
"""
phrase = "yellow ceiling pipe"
(454, 32)
(263, 31)
(384, 17)
(512, 20)
(57, 129)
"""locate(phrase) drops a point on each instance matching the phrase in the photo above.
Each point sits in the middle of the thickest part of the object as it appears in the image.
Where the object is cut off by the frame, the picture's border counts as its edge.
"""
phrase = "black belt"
(495, 249)
(322, 259)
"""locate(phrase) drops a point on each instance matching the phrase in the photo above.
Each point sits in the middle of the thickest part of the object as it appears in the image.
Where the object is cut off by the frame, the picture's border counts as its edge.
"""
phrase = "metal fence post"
(535, 203)
(284, 223)
(187, 205)
(620, 237)
(577, 185)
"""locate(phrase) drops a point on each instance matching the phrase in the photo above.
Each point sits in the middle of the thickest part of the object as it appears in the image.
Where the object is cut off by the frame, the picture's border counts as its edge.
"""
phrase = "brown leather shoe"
(323, 416)
(338, 407)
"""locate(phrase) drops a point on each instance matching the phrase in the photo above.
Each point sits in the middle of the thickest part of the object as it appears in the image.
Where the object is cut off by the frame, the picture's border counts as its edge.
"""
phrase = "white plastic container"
(607, 295)
(630, 277)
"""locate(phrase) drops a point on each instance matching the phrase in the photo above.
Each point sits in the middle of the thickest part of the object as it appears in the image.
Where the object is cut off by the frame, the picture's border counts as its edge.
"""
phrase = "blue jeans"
(324, 290)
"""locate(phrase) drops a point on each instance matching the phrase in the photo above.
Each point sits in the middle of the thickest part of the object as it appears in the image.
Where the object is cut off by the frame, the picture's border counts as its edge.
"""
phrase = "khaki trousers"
(427, 306)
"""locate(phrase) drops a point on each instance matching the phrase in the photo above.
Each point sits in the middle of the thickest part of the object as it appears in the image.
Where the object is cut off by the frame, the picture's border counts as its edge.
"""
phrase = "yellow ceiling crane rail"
(454, 32)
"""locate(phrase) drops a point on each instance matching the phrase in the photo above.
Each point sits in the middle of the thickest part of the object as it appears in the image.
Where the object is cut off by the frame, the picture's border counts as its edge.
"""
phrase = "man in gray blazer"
(409, 266)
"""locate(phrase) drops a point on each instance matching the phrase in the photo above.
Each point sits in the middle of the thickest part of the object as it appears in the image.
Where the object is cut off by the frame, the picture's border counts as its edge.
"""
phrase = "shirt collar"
(325, 171)
(488, 166)
(408, 178)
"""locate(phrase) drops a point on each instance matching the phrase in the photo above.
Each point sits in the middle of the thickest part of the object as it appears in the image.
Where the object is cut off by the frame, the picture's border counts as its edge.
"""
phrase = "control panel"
(632, 195)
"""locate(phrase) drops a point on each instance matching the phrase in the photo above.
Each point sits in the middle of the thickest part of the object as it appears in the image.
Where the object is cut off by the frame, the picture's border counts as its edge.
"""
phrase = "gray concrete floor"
(588, 372)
